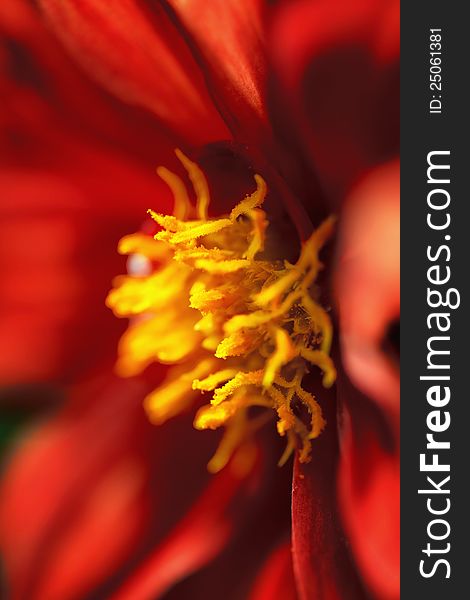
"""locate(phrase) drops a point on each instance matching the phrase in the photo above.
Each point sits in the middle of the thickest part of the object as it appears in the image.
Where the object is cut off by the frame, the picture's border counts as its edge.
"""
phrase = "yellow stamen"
(243, 328)
(193, 233)
(234, 435)
(322, 360)
(182, 205)
(281, 286)
(259, 227)
(206, 300)
(221, 267)
(169, 222)
(175, 394)
(319, 316)
(255, 319)
(284, 353)
(250, 202)
(240, 380)
(240, 343)
(137, 243)
(199, 183)
(211, 382)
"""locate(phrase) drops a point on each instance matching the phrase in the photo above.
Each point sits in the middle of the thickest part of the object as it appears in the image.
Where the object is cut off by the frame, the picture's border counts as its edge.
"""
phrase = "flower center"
(231, 322)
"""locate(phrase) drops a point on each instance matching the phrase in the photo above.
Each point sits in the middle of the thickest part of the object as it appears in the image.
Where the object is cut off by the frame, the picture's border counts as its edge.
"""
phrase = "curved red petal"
(72, 183)
(89, 491)
(261, 520)
(322, 564)
(228, 36)
(339, 64)
(197, 538)
(367, 291)
(58, 260)
(141, 58)
(43, 89)
(369, 493)
(276, 579)
(58, 518)
(367, 283)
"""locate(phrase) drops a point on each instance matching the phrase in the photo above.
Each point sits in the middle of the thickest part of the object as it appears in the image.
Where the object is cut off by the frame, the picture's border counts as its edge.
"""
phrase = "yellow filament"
(182, 205)
(284, 353)
(193, 233)
(221, 267)
(276, 289)
(259, 226)
(199, 183)
(240, 380)
(211, 382)
(234, 435)
(240, 343)
(322, 360)
(175, 394)
(318, 423)
(137, 243)
(320, 317)
(252, 201)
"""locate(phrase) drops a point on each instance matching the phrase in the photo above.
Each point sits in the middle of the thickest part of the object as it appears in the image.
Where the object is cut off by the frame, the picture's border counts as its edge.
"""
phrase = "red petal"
(276, 579)
(367, 290)
(58, 260)
(197, 539)
(67, 515)
(322, 564)
(229, 41)
(46, 81)
(141, 58)
(261, 520)
(339, 64)
(369, 491)
(71, 184)
(368, 296)
(89, 492)
(368, 284)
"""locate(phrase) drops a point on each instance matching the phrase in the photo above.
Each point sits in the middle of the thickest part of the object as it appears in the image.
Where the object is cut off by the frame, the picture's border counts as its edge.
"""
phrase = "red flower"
(96, 502)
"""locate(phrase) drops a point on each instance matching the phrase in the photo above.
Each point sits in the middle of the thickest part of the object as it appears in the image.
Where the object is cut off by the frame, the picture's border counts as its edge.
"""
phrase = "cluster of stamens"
(230, 321)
